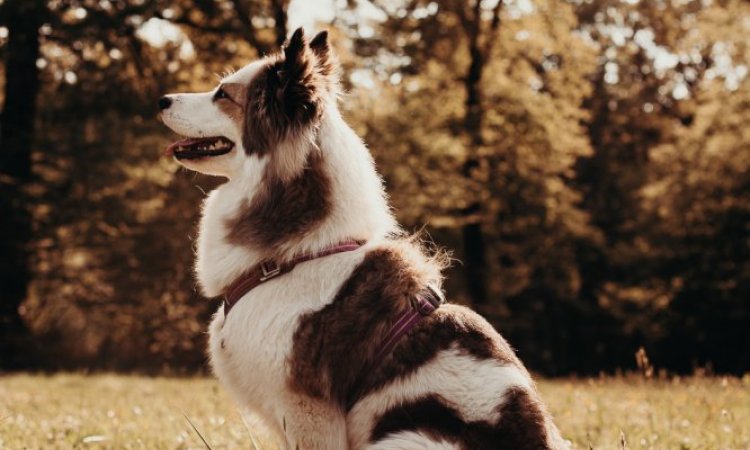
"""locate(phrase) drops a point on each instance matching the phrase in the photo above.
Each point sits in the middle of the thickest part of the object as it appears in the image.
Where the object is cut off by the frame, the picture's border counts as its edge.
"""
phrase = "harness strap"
(425, 303)
(269, 269)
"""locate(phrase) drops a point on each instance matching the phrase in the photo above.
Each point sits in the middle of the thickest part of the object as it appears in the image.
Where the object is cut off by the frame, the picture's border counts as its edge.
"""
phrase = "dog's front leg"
(311, 424)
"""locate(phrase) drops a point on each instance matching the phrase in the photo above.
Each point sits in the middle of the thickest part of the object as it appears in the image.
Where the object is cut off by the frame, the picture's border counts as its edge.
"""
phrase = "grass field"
(127, 412)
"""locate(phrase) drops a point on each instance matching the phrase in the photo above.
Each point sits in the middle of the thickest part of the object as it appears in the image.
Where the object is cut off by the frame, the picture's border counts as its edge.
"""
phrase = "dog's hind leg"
(411, 440)
(310, 424)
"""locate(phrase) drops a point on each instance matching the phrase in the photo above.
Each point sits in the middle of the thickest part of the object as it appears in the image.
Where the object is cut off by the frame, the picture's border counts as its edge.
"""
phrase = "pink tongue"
(183, 143)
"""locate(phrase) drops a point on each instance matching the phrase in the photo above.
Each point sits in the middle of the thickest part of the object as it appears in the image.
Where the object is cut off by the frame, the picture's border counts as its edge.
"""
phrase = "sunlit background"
(587, 162)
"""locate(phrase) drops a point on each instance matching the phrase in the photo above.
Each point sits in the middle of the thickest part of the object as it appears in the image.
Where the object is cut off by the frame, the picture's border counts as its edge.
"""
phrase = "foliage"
(599, 148)
(111, 290)
(670, 75)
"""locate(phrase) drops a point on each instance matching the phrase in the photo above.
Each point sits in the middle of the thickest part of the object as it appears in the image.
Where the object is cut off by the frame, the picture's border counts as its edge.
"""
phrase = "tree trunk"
(280, 21)
(24, 17)
(475, 263)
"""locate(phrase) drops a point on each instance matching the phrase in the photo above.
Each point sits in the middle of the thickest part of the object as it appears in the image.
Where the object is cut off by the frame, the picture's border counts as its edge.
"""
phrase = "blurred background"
(587, 161)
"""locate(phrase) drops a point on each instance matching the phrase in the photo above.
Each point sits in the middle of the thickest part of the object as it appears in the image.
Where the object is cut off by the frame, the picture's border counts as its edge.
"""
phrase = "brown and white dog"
(294, 348)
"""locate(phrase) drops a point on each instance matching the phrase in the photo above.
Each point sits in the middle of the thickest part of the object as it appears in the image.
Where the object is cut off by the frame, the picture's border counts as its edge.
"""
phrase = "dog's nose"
(164, 103)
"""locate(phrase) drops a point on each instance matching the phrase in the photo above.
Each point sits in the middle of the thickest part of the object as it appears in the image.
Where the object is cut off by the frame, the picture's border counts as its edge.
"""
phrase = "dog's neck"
(231, 239)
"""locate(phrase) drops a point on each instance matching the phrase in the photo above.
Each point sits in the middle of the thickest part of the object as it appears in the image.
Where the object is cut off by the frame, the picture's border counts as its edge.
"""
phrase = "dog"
(337, 336)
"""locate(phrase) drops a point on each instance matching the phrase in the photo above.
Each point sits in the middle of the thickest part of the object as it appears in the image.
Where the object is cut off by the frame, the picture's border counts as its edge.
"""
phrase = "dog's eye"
(220, 94)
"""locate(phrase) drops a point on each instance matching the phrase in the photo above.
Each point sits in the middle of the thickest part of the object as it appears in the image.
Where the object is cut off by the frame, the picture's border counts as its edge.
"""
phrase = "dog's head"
(269, 109)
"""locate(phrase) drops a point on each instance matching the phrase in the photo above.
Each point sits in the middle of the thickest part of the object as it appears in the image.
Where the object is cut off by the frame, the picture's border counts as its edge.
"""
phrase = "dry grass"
(687, 413)
(69, 411)
(123, 412)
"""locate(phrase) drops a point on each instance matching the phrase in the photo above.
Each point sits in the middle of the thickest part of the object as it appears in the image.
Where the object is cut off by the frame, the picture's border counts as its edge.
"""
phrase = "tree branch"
(494, 26)
(244, 14)
(280, 19)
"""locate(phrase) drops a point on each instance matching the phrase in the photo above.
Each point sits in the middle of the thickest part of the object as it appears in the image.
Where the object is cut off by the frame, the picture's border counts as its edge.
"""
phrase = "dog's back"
(452, 382)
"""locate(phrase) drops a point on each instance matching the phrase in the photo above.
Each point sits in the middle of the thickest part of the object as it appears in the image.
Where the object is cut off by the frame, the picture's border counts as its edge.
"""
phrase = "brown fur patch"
(368, 303)
(234, 106)
(449, 325)
(236, 91)
(522, 424)
(283, 210)
(372, 299)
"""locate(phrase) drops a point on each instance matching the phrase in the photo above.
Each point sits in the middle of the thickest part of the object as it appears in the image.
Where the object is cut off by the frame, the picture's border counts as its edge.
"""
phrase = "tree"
(23, 19)
(696, 212)
(656, 273)
(475, 26)
(480, 39)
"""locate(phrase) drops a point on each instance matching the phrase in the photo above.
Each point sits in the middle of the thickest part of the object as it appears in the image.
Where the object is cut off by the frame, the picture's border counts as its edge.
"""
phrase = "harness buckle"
(269, 269)
(427, 304)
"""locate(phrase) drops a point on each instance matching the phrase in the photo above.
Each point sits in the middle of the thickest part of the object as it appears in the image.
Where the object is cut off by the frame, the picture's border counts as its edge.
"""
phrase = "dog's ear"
(298, 84)
(319, 44)
(296, 53)
(290, 95)
(327, 63)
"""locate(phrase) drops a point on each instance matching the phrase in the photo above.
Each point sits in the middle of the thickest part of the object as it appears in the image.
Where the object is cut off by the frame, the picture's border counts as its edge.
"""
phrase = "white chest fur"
(249, 350)
(218, 262)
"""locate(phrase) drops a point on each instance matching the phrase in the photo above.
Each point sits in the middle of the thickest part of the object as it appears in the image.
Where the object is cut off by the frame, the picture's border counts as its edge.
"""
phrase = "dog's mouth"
(203, 147)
